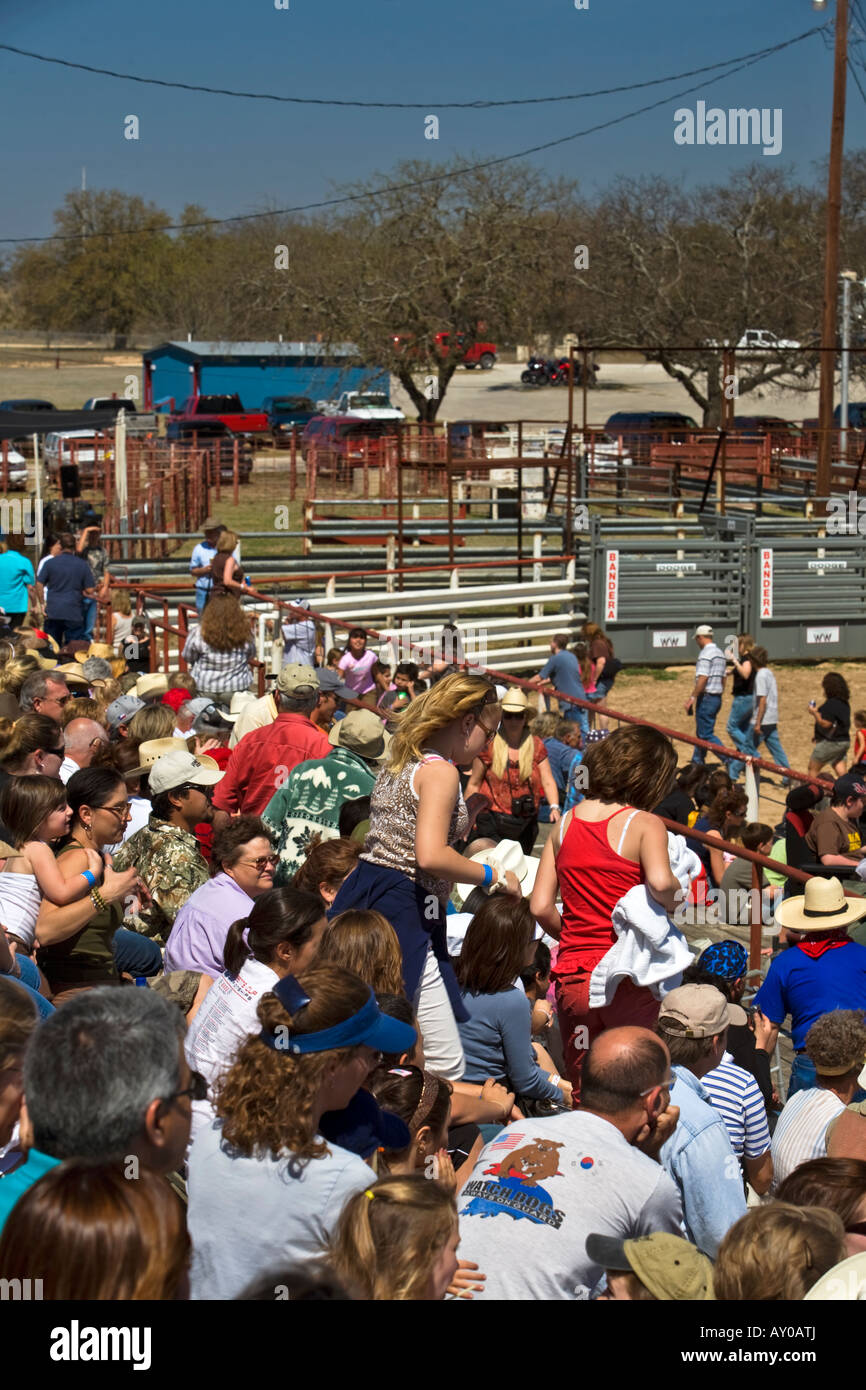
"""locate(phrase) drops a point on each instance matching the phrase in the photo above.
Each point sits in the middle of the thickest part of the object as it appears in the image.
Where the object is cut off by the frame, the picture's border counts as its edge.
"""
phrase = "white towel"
(649, 949)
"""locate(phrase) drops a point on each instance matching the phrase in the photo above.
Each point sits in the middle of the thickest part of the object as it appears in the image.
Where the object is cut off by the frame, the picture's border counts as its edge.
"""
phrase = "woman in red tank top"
(608, 844)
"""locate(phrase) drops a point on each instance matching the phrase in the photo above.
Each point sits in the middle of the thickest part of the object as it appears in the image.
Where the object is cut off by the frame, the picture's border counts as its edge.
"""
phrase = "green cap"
(667, 1265)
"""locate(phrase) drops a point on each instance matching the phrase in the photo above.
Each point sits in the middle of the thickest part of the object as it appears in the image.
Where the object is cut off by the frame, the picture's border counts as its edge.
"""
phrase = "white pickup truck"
(762, 340)
(363, 405)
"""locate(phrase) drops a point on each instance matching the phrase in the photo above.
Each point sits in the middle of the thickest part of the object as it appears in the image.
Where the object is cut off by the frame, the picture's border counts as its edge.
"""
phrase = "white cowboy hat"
(240, 700)
(823, 907)
(505, 856)
(845, 1282)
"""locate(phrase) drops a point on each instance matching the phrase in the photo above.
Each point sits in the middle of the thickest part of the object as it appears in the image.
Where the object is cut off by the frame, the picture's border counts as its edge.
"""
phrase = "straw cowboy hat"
(155, 748)
(823, 907)
(107, 653)
(153, 684)
(72, 674)
(505, 856)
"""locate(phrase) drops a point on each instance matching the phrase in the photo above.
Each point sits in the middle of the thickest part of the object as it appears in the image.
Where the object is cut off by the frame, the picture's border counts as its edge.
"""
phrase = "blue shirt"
(700, 1159)
(561, 756)
(64, 577)
(563, 669)
(806, 988)
(16, 1183)
(497, 1042)
(574, 787)
(16, 572)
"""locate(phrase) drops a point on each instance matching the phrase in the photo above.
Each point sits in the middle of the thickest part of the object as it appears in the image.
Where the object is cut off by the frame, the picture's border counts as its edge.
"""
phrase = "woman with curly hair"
(265, 1188)
(832, 726)
(408, 864)
(219, 649)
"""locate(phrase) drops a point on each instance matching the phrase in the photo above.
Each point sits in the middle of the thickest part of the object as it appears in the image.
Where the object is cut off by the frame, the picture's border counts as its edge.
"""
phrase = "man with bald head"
(82, 740)
(542, 1186)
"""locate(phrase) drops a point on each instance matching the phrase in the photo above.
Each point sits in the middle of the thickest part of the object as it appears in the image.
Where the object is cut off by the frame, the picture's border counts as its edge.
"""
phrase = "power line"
(445, 177)
(404, 105)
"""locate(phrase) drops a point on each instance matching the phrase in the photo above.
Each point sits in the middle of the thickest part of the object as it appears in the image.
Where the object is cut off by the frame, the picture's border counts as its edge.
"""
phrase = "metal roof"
(246, 349)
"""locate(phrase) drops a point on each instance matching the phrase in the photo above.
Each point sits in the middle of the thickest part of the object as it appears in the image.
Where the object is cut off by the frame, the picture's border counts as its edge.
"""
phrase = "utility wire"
(404, 105)
(367, 194)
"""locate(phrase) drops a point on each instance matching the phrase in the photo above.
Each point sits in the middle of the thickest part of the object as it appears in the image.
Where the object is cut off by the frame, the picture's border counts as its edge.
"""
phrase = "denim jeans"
(64, 630)
(706, 712)
(739, 726)
(135, 954)
(90, 607)
(769, 734)
(579, 716)
(201, 598)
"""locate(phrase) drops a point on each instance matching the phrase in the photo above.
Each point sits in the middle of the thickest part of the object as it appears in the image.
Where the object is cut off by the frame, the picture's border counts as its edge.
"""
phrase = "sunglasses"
(196, 1090)
(858, 1229)
(265, 862)
(509, 714)
(55, 753)
(491, 733)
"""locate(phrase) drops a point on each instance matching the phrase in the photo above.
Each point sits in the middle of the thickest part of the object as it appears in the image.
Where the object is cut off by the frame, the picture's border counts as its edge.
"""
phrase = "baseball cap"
(178, 768)
(669, 1266)
(363, 1127)
(362, 732)
(702, 1010)
(849, 784)
(704, 630)
(725, 958)
(121, 710)
(331, 682)
(295, 676)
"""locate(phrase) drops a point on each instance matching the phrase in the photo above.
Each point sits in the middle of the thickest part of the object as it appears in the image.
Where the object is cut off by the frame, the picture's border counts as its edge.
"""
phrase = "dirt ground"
(661, 696)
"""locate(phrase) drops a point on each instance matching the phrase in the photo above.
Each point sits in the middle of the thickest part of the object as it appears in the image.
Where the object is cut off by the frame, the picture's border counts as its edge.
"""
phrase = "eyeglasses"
(122, 812)
(56, 699)
(858, 1229)
(196, 1090)
(491, 733)
(266, 861)
(664, 1085)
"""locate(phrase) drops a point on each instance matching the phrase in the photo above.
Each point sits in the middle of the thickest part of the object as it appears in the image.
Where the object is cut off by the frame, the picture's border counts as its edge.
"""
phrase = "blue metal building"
(175, 370)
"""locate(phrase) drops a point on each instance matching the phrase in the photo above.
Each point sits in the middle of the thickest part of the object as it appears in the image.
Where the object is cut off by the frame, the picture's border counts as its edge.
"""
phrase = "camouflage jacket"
(171, 865)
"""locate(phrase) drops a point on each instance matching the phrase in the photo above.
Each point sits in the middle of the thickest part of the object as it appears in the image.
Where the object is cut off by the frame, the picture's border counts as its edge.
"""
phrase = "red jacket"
(263, 759)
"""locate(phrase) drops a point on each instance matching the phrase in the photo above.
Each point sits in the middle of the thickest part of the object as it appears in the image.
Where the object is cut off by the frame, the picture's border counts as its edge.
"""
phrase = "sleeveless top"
(20, 901)
(592, 878)
(390, 841)
(86, 957)
(741, 686)
(218, 569)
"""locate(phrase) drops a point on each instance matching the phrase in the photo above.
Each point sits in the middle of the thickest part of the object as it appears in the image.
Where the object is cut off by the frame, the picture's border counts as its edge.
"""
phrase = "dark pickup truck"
(213, 435)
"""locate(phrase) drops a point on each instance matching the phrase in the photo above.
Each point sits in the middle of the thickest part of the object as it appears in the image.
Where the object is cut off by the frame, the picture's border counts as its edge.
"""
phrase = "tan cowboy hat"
(154, 684)
(823, 907)
(153, 749)
(505, 856)
(516, 701)
(72, 674)
(107, 653)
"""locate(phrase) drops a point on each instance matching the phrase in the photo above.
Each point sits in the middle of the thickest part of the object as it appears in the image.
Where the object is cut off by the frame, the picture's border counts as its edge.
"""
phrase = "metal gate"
(809, 599)
(649, 596)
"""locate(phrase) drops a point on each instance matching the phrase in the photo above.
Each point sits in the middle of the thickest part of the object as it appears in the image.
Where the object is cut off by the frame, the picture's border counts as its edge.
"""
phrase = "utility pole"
(847, 277)
(831, 250)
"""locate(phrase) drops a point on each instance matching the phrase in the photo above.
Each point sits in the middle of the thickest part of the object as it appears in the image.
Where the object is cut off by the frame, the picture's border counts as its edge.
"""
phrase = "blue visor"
(369, 1027)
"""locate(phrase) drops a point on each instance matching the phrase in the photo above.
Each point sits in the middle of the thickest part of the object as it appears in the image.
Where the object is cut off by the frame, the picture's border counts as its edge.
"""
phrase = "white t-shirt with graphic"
(541, 1187)
(226, 1018)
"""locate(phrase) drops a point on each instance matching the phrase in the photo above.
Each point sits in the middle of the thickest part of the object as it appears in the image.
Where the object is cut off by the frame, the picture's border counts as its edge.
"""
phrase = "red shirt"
(592, 879)
(263, 759)
(204, 830)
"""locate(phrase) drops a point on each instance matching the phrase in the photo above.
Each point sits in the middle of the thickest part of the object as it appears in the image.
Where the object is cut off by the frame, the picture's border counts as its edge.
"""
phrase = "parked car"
(81, 447)
(477, 354)
(213, 435)
(17, 468)
(856, 415)
(784, 434)
(27, 404)
(287, 413)
(762, 340)
(115, 403)
(366, 405)
(343, 440)
(640, 429)
(229, 409)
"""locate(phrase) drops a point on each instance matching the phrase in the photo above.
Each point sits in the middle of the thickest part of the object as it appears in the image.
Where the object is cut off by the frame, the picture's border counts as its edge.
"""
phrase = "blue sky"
(234, 156)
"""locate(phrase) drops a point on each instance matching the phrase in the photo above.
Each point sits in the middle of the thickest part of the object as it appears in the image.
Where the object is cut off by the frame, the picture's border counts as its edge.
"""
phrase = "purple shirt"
(198, 937)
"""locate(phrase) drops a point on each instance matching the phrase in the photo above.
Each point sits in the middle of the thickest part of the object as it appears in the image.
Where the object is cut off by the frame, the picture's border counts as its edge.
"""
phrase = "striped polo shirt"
(734, 1092)
(711, 663)
(801, 1132)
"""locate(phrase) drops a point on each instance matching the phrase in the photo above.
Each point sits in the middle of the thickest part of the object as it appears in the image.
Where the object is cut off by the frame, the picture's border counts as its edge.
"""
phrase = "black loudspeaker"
(69, 484)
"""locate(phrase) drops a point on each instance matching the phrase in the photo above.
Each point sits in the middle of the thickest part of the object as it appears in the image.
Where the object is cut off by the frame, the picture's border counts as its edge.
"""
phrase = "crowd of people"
(371, 987)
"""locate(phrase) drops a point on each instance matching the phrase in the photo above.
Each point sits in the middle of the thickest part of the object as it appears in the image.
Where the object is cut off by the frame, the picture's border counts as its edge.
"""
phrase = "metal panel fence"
(810, 596)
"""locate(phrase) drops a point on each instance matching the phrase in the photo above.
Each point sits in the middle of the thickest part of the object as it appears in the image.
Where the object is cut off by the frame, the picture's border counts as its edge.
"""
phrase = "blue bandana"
(727, 959)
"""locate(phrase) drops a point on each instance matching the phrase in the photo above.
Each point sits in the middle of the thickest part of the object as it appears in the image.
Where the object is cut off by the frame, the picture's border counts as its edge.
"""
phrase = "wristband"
(91, 878)
(488, 875)
(555, 1079)
(98, 901)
